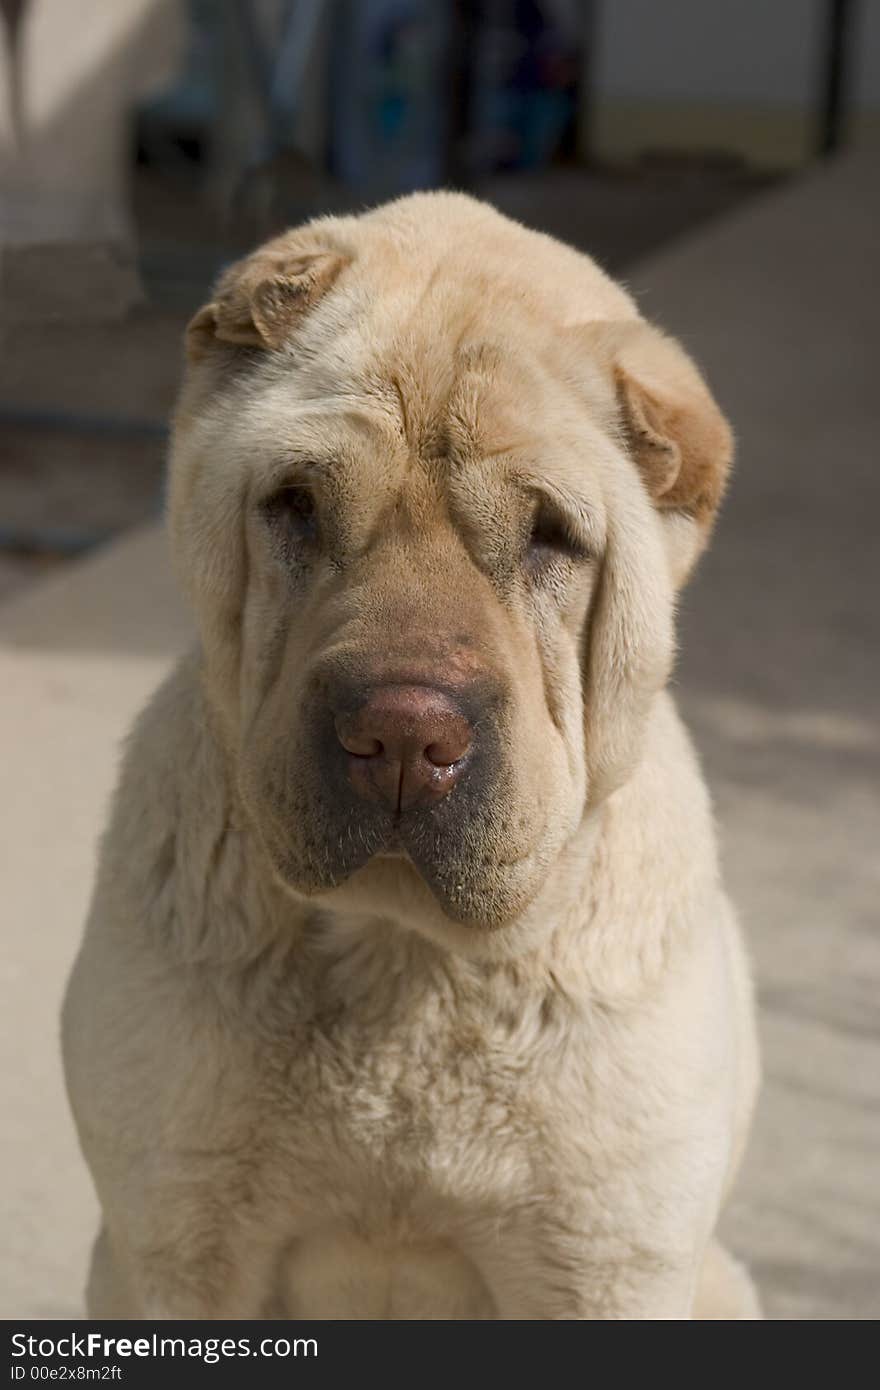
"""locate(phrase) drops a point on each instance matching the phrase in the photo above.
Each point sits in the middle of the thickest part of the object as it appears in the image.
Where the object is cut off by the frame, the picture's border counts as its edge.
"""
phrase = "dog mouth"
(473, 880)
(394, 848)
(467, 847)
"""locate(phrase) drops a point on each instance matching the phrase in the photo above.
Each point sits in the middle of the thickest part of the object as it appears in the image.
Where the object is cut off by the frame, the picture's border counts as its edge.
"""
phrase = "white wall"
(724, 51)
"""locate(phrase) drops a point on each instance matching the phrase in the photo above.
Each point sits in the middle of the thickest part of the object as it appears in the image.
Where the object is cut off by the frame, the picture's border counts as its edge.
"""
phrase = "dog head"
(434, 486)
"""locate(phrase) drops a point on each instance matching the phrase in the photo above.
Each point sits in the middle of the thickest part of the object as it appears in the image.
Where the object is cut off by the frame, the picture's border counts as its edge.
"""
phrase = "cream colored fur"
(521, 1095)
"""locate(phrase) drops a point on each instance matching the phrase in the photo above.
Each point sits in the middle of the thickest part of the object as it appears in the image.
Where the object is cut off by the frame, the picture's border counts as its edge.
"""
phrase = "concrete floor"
(778, 678)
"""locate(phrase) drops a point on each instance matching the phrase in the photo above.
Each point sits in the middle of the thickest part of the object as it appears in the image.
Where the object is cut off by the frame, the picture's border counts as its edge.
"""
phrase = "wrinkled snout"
(404, 745)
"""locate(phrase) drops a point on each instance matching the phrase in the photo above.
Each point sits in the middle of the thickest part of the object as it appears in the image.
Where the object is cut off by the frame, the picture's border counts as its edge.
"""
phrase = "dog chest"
(415, 1093)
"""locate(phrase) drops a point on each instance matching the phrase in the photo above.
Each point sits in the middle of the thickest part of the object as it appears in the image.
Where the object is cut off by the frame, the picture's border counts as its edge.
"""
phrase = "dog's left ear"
(258, 301)
(673, 431)
(680, 447)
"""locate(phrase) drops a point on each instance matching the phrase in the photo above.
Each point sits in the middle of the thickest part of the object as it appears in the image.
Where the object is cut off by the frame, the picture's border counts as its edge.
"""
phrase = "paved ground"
(779, 679)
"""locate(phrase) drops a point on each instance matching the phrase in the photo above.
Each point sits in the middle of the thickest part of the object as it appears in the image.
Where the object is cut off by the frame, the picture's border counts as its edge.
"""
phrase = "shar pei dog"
(410, 988)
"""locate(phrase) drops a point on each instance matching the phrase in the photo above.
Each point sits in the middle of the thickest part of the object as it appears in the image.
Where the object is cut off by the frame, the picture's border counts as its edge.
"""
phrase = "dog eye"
(552, 534)
(292, 511)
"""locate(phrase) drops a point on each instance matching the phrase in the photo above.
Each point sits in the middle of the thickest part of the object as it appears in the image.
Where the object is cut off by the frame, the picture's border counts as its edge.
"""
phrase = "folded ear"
(629, 639)
(673, 431)
(258, 301)
(681, 446)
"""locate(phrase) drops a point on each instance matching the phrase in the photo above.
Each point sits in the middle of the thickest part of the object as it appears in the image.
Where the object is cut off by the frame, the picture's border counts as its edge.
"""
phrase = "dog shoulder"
(169, 761)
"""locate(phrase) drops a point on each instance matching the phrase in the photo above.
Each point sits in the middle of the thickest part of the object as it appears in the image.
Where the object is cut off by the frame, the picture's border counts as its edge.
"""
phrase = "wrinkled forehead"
(409, 388)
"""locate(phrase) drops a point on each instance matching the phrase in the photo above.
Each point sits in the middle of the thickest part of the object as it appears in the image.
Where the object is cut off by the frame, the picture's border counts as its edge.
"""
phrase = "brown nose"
(407, 745)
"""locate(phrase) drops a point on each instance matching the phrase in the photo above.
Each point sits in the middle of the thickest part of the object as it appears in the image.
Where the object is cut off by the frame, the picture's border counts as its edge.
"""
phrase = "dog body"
(409, 987)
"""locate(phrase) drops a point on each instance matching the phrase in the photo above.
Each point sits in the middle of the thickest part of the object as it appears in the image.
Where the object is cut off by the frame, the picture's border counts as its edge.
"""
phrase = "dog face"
(433, 486)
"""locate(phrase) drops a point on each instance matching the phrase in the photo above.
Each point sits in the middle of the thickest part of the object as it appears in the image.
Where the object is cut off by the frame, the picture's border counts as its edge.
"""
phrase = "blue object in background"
(388, 92)
(415, 91)
(392, 89)
(525, 82)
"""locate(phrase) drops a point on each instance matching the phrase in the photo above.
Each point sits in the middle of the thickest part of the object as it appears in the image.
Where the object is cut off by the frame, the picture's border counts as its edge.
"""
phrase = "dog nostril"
(446, 751)
(359, 745)
(406, 744)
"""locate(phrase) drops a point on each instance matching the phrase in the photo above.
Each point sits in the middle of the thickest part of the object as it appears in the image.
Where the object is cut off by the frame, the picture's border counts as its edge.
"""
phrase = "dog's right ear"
(258, 300)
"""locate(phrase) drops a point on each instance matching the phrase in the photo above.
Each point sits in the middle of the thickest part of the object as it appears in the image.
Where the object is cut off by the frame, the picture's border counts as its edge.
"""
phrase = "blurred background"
(718, 155)
(144, 143)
